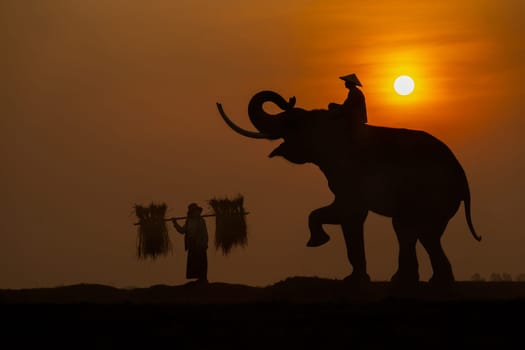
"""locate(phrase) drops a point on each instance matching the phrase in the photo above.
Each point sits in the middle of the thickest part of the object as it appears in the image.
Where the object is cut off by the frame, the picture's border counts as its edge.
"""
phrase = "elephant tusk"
(238, 129)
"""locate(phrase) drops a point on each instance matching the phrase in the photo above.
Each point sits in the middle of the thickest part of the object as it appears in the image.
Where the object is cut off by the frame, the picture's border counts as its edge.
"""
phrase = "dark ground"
(296, 313)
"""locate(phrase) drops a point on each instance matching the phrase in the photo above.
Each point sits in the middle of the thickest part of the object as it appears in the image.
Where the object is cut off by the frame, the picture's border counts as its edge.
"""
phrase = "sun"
(404, 85)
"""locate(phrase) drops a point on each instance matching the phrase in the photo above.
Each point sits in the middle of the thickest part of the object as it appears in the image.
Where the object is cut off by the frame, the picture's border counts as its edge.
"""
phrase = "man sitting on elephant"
(354, 107)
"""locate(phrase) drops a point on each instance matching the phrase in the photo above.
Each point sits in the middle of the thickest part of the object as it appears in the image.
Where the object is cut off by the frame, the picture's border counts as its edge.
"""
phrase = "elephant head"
(295, 126)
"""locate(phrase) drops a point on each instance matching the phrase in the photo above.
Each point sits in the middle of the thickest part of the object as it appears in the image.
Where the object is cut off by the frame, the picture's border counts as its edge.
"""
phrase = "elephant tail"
(467, 212)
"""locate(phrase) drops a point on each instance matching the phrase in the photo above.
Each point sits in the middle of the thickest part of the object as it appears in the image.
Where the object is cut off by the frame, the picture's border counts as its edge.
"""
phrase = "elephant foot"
(357, 279)
(443, 287)
(404, 284)
(318, 240)
(442, 281)
(405, 279)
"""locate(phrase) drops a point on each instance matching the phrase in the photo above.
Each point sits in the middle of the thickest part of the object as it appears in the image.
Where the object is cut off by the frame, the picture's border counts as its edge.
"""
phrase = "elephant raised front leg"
(318, 217)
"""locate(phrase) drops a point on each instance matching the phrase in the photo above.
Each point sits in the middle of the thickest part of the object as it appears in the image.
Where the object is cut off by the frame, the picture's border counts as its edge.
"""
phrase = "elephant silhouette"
(408, 175)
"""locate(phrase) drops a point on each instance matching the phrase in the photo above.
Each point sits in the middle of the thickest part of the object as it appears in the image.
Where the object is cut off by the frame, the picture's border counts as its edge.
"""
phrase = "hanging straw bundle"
(230, 223)
(153, 239)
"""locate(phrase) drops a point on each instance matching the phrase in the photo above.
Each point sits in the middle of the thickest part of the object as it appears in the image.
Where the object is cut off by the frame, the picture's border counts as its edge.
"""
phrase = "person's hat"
(194, 206)
(352, 78)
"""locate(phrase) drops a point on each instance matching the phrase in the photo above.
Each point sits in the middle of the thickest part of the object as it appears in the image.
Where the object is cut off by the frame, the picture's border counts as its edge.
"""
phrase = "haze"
(107, 104)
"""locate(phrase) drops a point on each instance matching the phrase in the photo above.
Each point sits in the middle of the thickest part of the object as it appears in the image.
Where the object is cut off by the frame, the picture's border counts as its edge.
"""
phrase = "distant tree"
(496, 277)
(506, 277)
(521, 277)
(477, 278)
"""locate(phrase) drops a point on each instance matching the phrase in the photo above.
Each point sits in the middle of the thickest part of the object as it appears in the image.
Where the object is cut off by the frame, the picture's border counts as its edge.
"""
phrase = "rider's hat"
(352, 78)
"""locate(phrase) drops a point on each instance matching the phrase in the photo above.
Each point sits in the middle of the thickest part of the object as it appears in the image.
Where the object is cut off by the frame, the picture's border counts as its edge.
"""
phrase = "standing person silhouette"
(354, 107)
(195, 243)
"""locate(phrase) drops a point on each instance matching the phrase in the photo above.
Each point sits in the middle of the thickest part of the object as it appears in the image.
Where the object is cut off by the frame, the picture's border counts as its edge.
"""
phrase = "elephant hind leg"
(408, 268)
(441, 267)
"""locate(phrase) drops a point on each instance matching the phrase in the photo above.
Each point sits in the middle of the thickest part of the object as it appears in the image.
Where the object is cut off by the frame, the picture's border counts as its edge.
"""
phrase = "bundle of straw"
(153, 239)
(230, 223)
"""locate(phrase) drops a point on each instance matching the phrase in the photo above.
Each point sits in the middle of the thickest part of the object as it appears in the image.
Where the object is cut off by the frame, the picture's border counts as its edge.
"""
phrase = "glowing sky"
(111, 103)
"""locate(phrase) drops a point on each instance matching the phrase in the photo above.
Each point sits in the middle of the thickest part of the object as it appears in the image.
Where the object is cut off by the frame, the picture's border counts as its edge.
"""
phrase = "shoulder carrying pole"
(185, 217)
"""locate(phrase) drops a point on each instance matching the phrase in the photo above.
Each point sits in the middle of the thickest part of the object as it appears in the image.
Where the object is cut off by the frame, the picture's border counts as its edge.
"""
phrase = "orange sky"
(111, 103)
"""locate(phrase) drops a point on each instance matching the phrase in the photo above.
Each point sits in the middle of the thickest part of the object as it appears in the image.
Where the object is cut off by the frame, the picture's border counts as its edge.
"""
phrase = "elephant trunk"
(264, 122)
